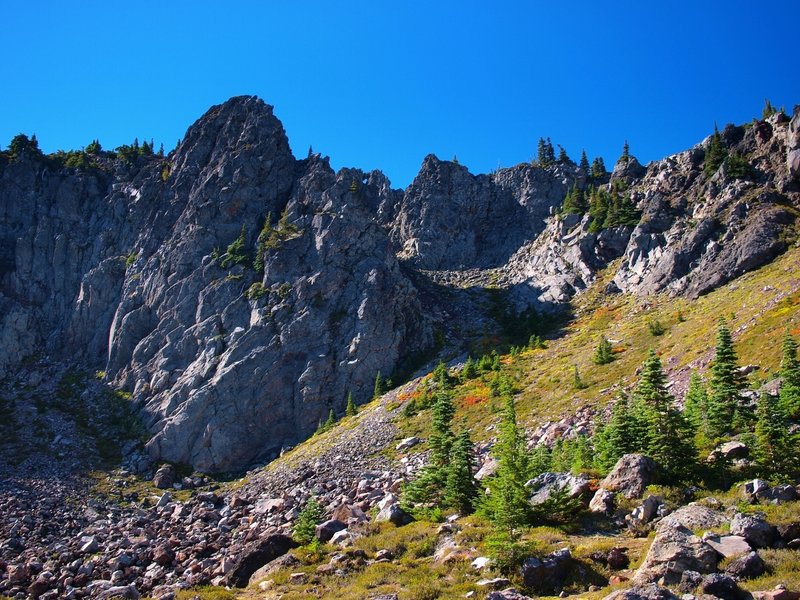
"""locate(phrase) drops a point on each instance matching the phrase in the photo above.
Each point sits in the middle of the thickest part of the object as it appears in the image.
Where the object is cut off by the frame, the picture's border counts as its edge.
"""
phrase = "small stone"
(297, 578)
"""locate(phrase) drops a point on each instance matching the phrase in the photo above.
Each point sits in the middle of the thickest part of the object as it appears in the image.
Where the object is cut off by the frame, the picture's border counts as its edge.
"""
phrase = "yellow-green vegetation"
(414, 573)
(759, 308)
(206, 593)
(783, 566)
(129, 488)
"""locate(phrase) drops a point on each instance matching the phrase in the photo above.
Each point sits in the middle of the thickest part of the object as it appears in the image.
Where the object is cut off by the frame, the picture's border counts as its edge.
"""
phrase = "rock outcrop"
(240, 294)
(235, 337)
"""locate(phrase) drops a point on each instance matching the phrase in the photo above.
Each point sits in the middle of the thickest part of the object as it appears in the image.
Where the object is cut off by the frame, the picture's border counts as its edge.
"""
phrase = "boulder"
(602, 502)
(751, 490)
(675, 549)
(731, 450)
(349, 513)
(325, 530)
(495, 582)
(394, 514)
(164, 476)
(342, 538)
(547, 575)
(407, 443)
(489, 467)
(126, 592)
(723, 587)
(542, 487)
(630, 476)
(255, 555)
(754, 528)
(694, 516)
(286, 561)
(269, 506)
(788, 532)
(780, 494)
(617, 558)
(649, 591)
(746, 566)
(728, 545)
(645, 512)
(690, 581)
(779, 593)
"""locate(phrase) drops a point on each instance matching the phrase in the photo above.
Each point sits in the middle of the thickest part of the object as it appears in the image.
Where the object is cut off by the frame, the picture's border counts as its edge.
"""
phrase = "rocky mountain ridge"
(240, 294)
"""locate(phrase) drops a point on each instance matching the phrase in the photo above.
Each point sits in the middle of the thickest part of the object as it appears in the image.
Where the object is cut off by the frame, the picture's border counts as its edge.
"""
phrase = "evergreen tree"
(695, 406)
(330, 422)
(535, 342)
(790, 379)
(460, 488)
(670, 438)
(574, 202)
(94, 147)
(621, 211)
(561, 455)
(562, 155)
(545, 155)
(441, 376)
(624, 433)
(350, 409)
(507, 504)
(540, 461)
(469, 371)
(604, 353)
(775, 453)
(626, 152)
(378, 390)
(441, 438)
(715, 154)
(541, 152)
(598, 209)
(21, 143)
(599, 168)
(768, 109)
(582, 454)
(306, 525)
(725, 385)
(583, 165)
(429, 486)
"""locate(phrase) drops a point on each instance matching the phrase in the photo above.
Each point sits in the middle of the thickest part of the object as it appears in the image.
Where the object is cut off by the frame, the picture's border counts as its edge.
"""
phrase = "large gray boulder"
(631, 475)
(544, 486)
(754, 528)
(546, 575)
(255, 555)
(694, 516)
(675, 549)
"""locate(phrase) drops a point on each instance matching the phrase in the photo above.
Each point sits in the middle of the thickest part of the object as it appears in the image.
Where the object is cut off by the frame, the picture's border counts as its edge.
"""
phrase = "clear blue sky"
(382, 84)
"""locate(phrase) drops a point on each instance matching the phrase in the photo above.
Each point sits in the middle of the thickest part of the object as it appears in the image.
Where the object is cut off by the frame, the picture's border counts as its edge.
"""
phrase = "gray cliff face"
(227, 364)
(698, 232)
(240, 294)
(451, 219)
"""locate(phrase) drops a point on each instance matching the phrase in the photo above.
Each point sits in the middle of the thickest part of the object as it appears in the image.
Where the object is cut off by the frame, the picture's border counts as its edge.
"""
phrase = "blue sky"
(382, 84)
